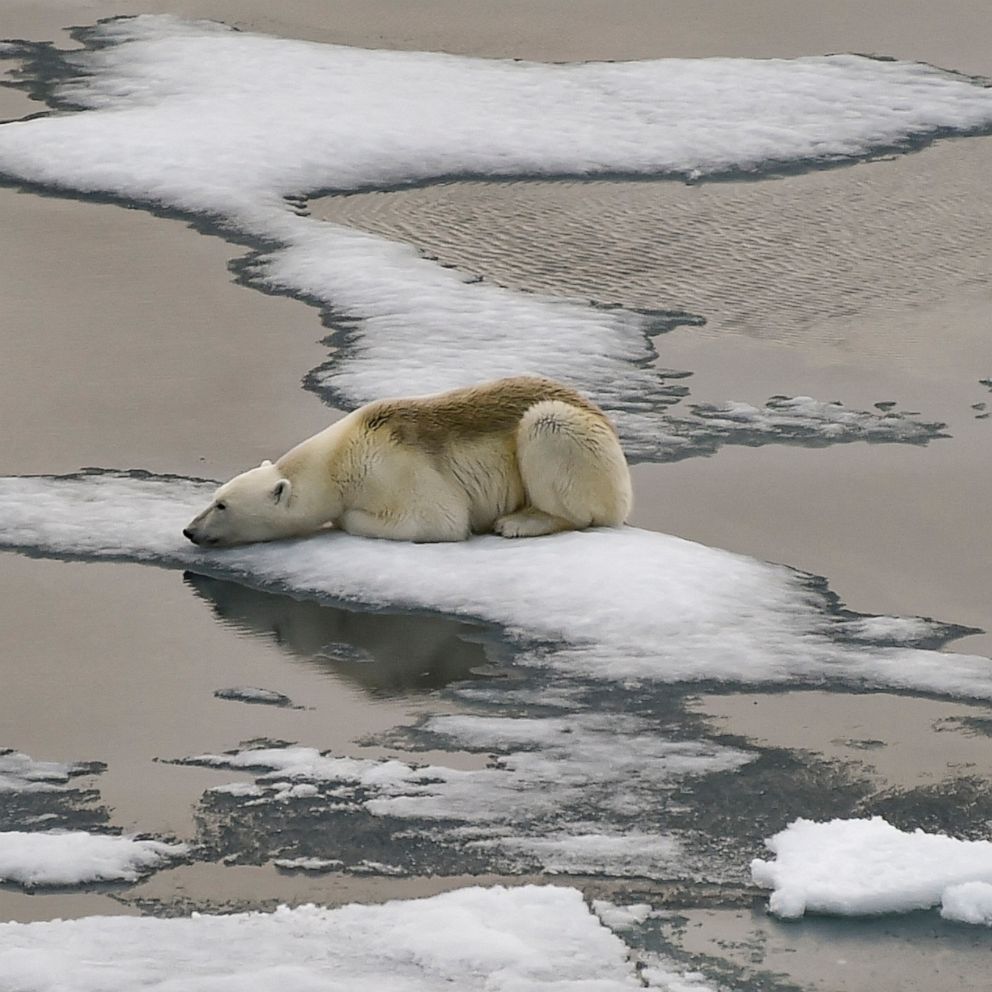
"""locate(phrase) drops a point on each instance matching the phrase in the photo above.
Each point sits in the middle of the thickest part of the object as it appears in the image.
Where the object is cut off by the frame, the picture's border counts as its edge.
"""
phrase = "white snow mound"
(859, 867)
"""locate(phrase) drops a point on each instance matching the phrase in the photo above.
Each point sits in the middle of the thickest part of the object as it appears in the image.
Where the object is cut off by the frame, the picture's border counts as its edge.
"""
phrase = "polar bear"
(520, 457)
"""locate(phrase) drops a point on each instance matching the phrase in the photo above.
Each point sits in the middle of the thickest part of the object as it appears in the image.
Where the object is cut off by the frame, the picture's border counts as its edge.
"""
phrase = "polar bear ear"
(282, 490)
(265, 464)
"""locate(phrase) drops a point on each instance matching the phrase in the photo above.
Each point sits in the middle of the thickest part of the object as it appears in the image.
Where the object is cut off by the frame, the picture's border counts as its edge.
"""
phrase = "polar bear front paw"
(529, 523)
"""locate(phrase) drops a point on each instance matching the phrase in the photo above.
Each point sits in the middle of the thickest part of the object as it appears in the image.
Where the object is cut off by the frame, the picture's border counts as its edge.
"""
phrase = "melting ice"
(195, 117)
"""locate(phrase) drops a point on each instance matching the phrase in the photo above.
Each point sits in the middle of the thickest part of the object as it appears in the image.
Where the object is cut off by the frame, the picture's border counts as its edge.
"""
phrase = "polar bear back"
(436, 422)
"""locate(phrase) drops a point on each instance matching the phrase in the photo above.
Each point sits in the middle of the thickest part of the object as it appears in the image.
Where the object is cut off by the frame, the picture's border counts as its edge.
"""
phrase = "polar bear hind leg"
(573, 470)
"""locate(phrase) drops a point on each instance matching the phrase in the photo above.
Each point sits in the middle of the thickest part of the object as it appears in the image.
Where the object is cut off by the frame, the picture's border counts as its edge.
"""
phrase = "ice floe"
(252, 694)
(198, 118)
(858, 867)
(610, 604)
(21, 773)
(523, 939)
(75, 857)
(621, 917)
(315, 865)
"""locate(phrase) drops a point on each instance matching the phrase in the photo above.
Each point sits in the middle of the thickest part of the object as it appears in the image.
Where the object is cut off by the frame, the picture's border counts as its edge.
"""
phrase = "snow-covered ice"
(858, 867)
(316, 865)
(524, 939)
(75, 857)
(22, 773)
(607, 604)
(240, 790)
(195, 117)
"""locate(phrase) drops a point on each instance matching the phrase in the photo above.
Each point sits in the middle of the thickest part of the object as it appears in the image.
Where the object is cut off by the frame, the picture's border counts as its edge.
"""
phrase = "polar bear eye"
(220, 506)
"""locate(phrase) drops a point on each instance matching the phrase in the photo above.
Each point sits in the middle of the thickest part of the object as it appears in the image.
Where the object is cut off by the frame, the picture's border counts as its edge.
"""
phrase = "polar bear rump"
(520, 457)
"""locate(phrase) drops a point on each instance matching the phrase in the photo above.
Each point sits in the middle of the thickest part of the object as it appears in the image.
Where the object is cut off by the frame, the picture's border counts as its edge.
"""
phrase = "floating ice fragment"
(21, 773)
(316, 865)
(858, 867)
(619, 917)
(250, 694)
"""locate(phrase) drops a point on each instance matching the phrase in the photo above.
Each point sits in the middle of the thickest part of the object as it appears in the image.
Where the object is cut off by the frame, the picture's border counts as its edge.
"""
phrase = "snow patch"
(524, 939)
(75, 857)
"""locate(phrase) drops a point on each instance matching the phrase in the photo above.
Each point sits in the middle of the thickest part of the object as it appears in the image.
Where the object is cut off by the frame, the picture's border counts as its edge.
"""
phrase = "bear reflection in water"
(382, 652)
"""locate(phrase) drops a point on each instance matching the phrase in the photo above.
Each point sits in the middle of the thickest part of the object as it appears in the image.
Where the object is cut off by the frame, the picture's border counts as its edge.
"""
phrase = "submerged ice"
(572, 794)
(195, 117)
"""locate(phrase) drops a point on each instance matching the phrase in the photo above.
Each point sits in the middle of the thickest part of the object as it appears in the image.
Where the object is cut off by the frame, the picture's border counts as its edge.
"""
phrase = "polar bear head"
(253, 506)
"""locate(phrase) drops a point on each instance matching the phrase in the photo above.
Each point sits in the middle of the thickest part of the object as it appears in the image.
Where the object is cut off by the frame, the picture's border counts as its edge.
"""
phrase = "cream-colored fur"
(519, 457)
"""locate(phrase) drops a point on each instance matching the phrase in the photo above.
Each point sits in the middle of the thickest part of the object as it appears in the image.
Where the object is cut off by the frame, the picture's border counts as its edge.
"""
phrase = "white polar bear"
(522, 457)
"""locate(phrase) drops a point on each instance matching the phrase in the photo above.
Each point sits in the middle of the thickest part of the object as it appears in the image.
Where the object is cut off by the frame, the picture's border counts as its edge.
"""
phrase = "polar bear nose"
(189, 535)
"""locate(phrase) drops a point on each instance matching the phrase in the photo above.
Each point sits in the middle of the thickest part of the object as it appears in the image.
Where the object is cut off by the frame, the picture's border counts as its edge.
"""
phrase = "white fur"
(559, 466)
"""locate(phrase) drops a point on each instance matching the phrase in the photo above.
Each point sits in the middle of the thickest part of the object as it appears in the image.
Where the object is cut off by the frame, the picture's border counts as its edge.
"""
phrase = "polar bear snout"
(192, 535)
